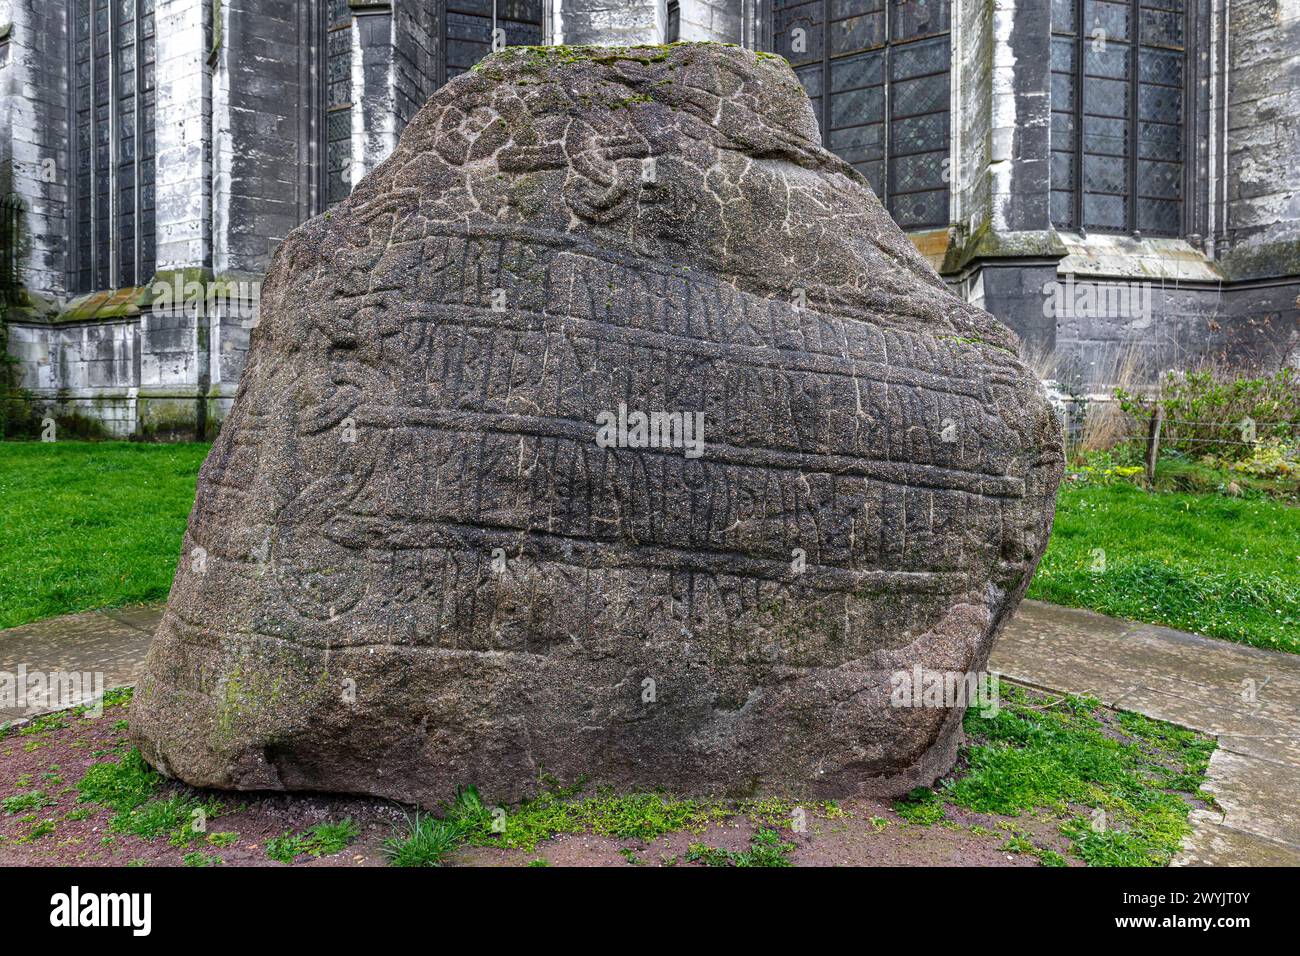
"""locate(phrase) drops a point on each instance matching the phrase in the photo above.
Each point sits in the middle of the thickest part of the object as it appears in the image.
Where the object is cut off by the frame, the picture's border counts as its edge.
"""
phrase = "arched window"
(1118, 75)
(877, 72)
(112, 101)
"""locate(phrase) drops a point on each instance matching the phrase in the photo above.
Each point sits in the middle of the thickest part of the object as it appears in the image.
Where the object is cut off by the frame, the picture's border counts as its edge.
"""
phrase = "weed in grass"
(33, 800)
(1019, 844)
(196, 810)
(40, 829)
(127, 787)
(423, 840)
(197, 858)
(921, 807)
(119, 697)
(766, 848)
(1059, 755)
(284, 848)
(638, 816)
(323, 839)
(119, 785)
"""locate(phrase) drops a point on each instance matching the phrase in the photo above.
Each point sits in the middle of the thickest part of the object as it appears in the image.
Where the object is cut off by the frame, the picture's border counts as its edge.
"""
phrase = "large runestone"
(411, 565)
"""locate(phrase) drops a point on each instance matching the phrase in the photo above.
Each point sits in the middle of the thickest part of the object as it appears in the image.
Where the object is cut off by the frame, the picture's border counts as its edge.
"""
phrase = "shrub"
(1214, 413)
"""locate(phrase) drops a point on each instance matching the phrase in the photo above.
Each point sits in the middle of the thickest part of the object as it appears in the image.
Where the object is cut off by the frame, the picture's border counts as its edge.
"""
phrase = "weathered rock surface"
(411, 565)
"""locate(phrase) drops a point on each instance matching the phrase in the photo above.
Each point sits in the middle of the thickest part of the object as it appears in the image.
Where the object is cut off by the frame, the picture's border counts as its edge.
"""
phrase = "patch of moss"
(1268, 260)
(987, 243)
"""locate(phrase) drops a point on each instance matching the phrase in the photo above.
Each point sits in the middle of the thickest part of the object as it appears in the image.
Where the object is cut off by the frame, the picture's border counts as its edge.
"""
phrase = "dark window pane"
(1159, 217)
(858, 143)
(1104, 21)
(1062, 170)
(811, 78)
(925, 95)
(1105, 174)
(912, 173)
(920, 18)
(858, 33)
(797, 32)
(1106, 97)
(1160, 180)
(1063, 208)
(1161, 103)
(1161, 28)
(1062, 91)
(1107, 137)
(854, 107)
(1160, 66)
(1160, 141)
(1106, 59)
(919, 59)
(866, 69)
(1063, 16)
(1063, 51)
(920, 210)
(920, 134)
(853, 8)
(1105, 212)
(1063, 127)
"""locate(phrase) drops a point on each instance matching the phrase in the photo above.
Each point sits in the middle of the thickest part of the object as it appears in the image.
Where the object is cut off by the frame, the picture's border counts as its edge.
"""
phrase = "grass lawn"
(86, 525)
(1216, 565)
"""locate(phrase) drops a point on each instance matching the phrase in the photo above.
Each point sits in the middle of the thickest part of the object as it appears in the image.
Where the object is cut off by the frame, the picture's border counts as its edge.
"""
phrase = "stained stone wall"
(240, 158)
(612, 22)
(1262, 145)
(1226, 290)
(34, 157)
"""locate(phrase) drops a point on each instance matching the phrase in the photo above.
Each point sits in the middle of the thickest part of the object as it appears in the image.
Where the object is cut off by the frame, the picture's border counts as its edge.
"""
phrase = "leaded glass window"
(1117, 115)
(338, 101)
(112, 100)
(470, 24)
(877, 72)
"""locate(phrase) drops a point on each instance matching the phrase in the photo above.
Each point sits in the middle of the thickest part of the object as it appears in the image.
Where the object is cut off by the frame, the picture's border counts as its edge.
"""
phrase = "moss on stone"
(110, 304)
(987, 243)
(1269, 260)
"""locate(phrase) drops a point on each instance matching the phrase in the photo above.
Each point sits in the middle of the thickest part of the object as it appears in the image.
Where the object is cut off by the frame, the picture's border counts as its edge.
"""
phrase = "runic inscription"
(426, 566)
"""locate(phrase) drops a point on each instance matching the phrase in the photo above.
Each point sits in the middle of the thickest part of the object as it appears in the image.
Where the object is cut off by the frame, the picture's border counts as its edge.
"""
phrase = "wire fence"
(1189, 436)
